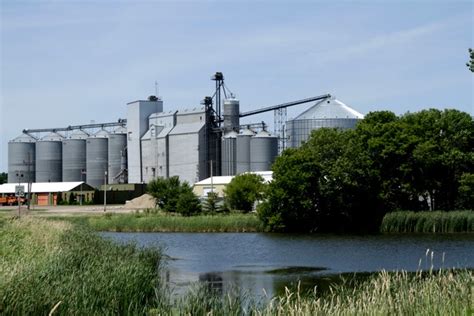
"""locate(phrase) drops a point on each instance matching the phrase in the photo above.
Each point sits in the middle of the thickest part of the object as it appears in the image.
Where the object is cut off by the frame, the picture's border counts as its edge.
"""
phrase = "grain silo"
(243, 151)
(231, 115)
(329, 113)
(49, 158)
(229, 153)
(21, 159)
(74, 157)
(263, 151)
(117, 154)
(97, 158)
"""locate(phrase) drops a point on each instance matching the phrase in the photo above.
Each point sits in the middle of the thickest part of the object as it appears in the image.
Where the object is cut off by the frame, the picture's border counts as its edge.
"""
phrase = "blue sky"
(70, 62)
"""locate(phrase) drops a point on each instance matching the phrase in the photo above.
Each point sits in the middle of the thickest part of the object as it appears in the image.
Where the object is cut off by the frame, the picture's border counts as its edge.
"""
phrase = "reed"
(55, 264)
(428, 222)
(142, 222)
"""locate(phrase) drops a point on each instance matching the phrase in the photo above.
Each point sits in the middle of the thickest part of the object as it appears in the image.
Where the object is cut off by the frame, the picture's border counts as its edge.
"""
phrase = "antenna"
(156, 88)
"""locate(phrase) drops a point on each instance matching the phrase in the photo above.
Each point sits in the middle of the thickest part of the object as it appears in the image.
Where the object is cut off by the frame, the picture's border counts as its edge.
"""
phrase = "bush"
(169, 192)
(244, 190)
(188, 203)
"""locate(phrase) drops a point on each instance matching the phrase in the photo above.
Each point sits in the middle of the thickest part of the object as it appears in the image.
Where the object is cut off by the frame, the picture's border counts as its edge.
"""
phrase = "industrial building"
(194, 144)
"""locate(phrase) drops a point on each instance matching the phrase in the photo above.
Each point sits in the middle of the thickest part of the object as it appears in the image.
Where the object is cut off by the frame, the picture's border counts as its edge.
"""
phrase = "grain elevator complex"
(193, 144)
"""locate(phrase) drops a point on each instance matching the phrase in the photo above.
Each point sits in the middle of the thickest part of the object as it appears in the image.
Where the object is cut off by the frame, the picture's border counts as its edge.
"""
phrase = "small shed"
(51, 193)
(218, 184)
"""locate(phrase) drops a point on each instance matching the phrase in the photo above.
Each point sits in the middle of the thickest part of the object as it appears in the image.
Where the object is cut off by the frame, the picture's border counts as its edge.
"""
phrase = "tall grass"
(428, 222)
(45, 263)
(173, 223)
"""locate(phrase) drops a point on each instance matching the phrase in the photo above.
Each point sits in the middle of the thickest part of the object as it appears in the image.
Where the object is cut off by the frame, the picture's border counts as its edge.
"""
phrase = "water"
(265, 263)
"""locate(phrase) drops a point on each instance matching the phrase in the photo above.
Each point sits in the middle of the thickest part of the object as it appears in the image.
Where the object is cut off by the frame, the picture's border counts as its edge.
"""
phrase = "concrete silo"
(229, 154)
(329, 113)
(49, 158)
(243, 150)
(97, 158)
(117, 154)
(74, 156)
(21, 159)
(263, 151)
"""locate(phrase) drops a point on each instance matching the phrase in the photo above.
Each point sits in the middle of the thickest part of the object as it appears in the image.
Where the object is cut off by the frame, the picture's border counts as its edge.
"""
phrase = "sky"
(73, 62)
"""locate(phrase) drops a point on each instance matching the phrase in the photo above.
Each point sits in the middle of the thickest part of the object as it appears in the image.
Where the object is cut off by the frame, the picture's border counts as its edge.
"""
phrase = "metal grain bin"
(49, 158)
(97, 159)
(330, 113)
(21, 159)
(74, 157)
(263, 151)
(231, 115)
(229, 152)
(243, 151)
(116, 154)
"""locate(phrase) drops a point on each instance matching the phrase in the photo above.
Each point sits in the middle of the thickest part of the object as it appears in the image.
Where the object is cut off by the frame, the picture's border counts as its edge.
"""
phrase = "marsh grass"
(44, 262)
(155, 222)
(428, 222)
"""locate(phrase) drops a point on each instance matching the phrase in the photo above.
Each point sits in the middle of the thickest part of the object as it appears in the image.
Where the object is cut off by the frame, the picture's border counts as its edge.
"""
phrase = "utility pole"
(83, 171)
(105, 190)
(212, 181)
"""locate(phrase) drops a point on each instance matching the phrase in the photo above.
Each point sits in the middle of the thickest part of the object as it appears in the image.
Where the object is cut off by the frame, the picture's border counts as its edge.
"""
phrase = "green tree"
(466, 191)
(290, 203)
(470, 63)
(211, 204)
(3, 177)
(167, 192)
(188, 203)
(243, 191)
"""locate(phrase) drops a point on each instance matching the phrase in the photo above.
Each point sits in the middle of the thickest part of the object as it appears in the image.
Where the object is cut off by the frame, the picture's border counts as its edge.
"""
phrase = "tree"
(291, 199)
(3, 177)
(167, 192)
(470, 63)
(243, 191)
(188, 203)
(211, 204)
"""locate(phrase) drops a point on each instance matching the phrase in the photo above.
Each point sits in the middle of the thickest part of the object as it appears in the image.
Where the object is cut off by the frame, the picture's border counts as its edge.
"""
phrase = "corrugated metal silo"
(49, 158)
(229, 152)
(243, 151)
(21, 159)
(263, 150)
(329, 113)
(97, 158)
(231, 115)
(74, 156)
(116, 154)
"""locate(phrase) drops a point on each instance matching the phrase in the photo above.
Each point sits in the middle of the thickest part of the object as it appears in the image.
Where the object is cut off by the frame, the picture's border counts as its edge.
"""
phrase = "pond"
(265, 263)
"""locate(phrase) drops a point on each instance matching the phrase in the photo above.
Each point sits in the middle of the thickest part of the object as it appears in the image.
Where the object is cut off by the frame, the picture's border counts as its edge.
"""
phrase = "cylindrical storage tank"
(263, 151)
(229, 152)
(243, 151)
(21, 159)
(74, 157)
(231, 115)
(97, 159)
(49, 158)
(116, 149)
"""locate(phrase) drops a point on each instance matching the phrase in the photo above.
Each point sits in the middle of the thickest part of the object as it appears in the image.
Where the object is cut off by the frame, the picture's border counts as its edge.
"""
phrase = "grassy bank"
(428, 222)
(44, 263)
(143, 222)
(400, 293)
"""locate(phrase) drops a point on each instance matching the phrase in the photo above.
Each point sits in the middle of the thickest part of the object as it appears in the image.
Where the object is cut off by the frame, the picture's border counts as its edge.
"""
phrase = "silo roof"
(329, 109)
(23, 138)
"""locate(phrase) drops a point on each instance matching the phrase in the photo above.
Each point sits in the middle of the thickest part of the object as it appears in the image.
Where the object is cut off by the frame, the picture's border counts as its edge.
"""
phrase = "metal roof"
(219, 180)
(329, 109)
(23, 138)
(187, 128)
(43, 187)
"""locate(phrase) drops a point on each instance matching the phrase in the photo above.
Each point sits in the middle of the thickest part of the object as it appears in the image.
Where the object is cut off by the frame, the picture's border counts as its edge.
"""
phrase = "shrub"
(244, 190)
